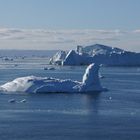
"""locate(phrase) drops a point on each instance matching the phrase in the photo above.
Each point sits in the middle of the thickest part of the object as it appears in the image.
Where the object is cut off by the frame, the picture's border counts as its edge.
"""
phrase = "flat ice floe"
(33, 84)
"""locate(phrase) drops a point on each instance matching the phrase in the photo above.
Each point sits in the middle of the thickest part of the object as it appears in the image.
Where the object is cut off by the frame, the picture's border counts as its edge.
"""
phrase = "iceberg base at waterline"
(33, 84)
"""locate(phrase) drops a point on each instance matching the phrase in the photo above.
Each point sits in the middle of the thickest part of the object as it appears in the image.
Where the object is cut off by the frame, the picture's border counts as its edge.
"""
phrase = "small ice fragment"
(12, 101)
(23, 101)
(45, 68)
(49, 68)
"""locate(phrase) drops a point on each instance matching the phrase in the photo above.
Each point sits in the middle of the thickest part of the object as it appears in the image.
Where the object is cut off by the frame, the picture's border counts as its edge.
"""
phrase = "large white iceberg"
(100, 54)
(33, 84)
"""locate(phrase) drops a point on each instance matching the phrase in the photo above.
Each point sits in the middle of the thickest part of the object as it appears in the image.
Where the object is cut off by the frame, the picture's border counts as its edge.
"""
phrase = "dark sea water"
(112, 115)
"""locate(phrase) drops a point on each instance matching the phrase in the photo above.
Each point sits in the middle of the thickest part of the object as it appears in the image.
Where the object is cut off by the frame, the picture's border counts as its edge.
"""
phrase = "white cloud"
(137, 31)
(56, 35)
(61, 39)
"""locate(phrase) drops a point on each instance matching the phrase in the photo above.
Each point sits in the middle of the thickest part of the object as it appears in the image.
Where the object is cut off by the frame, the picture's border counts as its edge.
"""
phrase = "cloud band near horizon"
(11, 38)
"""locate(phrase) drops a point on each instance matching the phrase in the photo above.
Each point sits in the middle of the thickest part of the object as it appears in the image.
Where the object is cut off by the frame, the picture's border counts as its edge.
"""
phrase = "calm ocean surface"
(112, 115)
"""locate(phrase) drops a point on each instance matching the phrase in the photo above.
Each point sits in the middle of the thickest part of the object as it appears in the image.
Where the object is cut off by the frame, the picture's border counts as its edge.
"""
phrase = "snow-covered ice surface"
(108, 115)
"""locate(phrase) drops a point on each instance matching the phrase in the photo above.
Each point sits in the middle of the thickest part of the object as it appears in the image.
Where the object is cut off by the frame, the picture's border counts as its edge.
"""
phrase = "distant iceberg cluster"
(97, 53)
(33, 84)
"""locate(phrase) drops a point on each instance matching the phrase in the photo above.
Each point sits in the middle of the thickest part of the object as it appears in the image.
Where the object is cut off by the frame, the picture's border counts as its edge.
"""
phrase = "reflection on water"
(91, 101)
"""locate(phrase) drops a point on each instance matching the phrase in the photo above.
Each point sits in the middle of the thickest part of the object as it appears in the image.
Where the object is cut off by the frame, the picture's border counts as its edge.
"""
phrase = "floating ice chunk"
(51, 68)
(12, 101)
(23, 101)
(33, 84)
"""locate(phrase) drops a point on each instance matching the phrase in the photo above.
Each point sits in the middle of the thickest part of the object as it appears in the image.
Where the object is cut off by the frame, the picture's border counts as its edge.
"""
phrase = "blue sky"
(119, 18)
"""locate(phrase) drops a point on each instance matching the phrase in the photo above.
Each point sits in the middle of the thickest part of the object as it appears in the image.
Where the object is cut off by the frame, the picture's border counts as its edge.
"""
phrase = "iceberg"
(101, 54)
(33, 84)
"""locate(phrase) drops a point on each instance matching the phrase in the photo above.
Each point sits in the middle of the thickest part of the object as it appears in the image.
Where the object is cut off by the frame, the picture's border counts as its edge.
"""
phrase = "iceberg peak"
(91, 79)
